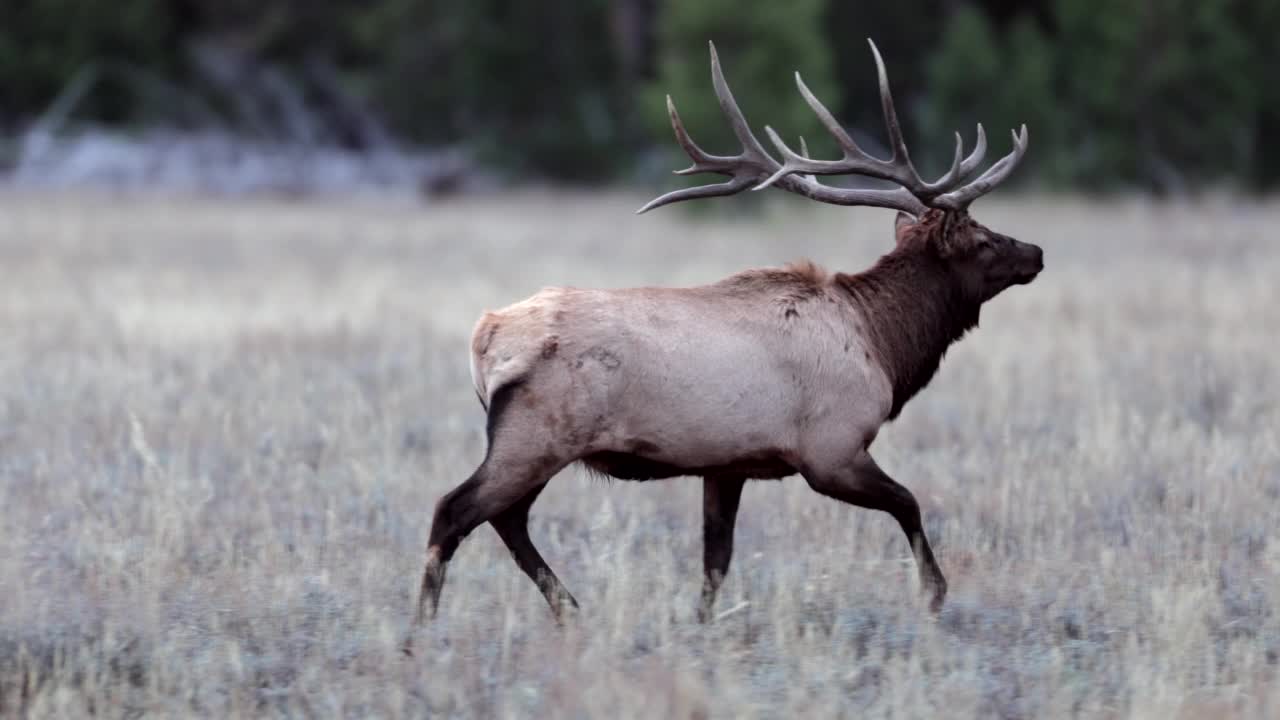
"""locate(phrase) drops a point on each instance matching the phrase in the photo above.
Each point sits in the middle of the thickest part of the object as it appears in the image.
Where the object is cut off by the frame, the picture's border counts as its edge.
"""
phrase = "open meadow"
(224, 426)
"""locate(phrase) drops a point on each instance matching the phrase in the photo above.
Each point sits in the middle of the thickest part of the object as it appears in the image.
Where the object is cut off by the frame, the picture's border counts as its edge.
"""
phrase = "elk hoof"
(936, 590)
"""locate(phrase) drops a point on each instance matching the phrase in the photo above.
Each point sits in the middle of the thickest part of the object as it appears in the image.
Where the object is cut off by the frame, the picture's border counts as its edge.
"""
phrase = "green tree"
(973, 77)
(1201, 92)
(1128, 94)
(905, 31)
(531, 86)
(1025, 94)
(1258, 22)
(964, 75)
(1161, 96)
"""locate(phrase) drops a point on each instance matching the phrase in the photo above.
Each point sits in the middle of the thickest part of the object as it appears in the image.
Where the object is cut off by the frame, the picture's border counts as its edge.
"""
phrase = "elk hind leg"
(720, 497)
(523, 455)
(512, 525)
(456, 515)
(483, 497)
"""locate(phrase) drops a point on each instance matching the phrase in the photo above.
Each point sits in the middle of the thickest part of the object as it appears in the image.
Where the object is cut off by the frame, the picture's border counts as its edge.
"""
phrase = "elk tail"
(477, 381)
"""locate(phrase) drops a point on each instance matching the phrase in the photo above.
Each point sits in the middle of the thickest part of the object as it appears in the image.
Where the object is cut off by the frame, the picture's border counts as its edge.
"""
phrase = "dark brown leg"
(512, 525)
(864, 484)
(720, 498)
(483, 497)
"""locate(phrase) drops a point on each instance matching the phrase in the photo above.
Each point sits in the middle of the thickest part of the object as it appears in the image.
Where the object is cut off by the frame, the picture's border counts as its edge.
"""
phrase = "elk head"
(933, 217)
(981, 262)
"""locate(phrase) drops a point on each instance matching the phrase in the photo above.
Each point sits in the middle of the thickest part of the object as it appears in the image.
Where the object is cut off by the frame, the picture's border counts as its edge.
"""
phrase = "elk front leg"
(720, 496)
(512, 525)
(864, 484)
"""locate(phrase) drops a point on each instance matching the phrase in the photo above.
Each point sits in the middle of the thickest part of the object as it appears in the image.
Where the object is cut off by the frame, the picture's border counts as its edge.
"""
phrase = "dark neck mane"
(913, 311)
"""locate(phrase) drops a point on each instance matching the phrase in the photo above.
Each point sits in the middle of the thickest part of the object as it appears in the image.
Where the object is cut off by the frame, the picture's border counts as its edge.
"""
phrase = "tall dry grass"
(223, 427)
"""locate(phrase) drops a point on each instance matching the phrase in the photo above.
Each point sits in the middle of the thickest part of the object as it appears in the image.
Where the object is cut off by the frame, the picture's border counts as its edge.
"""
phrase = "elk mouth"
(1030, 267)
(1022, 277)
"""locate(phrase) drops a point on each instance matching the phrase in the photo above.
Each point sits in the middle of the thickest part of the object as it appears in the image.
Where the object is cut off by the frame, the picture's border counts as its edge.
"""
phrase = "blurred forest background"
(1160, 95)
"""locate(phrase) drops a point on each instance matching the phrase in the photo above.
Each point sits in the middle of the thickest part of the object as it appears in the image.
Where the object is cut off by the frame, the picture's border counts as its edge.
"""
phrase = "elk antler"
(755, 167)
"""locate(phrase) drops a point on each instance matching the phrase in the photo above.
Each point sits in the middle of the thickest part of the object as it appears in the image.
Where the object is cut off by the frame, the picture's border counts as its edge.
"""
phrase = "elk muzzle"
(1029, 263)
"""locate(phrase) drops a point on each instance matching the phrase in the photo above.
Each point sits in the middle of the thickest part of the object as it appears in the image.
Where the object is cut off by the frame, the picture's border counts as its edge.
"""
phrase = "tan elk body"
(765, 374)
(690, 378)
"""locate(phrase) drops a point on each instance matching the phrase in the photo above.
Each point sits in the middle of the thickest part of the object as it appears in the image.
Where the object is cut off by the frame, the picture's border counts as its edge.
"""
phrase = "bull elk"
(765, 374)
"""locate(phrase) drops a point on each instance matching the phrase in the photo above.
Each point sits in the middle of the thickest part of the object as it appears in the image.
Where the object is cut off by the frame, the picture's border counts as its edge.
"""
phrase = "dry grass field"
(224, 425)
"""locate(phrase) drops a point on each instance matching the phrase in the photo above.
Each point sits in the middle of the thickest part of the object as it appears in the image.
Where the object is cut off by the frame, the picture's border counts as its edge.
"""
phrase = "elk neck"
(913, 309)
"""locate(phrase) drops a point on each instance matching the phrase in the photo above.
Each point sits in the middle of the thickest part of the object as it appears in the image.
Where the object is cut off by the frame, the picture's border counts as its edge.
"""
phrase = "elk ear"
(902, 225)
(958, 235)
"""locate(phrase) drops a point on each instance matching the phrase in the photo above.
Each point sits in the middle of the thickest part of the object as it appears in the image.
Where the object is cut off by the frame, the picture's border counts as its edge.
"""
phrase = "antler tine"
(804, 151)
(732, 187)
(972, 162)
(896, 140)
(751, 147)
(949, 177)
(828, 120)
(961, 198)
(703, 161)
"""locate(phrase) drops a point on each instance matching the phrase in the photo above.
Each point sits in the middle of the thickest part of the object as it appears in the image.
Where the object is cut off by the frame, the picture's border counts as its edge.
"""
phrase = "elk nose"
(1037, 256)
